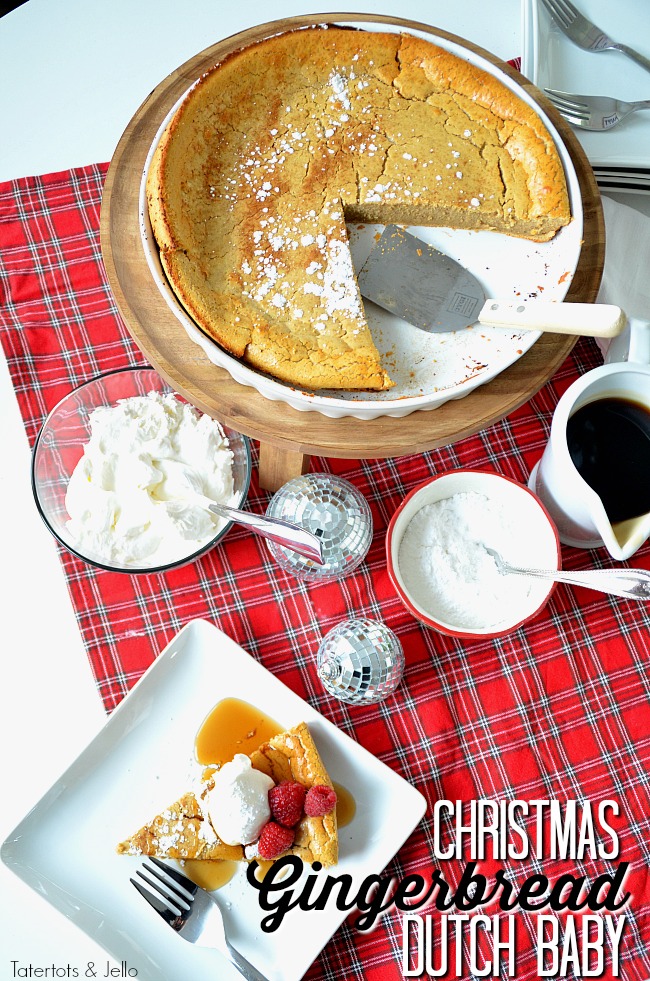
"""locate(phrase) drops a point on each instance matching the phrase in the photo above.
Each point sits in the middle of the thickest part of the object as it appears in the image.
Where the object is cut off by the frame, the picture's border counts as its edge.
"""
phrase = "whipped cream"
(238, 803)
(126, 498)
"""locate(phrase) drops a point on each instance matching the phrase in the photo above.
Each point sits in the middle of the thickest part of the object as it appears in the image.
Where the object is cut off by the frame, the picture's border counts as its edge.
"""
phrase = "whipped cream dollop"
(129, 498)
(238, 803)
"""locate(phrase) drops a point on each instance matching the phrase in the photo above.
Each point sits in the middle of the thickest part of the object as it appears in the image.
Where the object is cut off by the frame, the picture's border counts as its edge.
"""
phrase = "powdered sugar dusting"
(340, 290)
(340, 92)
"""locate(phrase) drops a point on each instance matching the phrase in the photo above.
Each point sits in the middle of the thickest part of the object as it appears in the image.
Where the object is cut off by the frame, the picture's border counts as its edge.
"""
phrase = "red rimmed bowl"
(464, 569)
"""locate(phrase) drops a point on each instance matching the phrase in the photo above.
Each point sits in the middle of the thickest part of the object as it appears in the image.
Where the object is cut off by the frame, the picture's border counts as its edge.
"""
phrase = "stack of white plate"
(620, 157)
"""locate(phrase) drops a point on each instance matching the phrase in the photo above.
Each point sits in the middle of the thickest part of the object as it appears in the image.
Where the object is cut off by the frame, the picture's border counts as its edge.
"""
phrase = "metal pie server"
(423, 286)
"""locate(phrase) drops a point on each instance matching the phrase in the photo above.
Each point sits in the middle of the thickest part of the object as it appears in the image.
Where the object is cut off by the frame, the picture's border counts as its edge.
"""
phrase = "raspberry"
(319, 800)
(286, 803)
(274, 840)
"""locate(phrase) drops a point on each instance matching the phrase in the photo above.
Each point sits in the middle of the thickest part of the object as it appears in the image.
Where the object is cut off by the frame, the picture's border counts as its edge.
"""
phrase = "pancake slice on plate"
(184, 831)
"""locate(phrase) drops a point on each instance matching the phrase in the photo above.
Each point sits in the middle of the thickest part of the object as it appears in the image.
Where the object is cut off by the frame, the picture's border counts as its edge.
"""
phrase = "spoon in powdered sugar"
(628, 583)
(187, 488)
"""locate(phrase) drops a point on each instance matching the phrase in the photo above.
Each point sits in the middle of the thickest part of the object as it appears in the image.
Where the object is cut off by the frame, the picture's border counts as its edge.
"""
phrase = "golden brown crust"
(183, 830)
(273, 149)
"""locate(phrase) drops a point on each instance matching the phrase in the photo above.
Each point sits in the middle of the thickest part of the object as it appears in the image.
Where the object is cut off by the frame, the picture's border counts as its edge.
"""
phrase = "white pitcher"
(576, 509)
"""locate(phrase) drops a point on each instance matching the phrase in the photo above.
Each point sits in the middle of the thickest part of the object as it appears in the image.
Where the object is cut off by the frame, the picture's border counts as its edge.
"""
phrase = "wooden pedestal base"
(277, 466)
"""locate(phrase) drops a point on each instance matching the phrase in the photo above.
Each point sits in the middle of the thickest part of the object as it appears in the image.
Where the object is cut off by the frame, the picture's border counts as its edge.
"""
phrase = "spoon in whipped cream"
(182, 486)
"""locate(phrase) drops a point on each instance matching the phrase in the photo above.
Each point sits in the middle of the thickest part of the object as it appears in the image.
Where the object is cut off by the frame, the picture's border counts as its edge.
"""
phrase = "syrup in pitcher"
(609, 444)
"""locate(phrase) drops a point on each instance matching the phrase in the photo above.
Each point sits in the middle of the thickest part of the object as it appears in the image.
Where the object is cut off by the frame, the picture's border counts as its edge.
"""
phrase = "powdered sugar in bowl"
(437, 558)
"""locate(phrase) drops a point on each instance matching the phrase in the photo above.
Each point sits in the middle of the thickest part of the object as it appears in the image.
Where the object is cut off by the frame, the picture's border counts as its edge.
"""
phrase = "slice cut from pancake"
(183, 830)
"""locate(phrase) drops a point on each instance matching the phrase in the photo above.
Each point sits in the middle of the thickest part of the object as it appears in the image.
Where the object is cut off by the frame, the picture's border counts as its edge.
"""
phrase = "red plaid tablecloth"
(558, 710)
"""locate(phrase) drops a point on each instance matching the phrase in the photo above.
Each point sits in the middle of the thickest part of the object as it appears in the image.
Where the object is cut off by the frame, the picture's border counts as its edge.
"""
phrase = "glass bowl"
(60, 444)
(509, 604)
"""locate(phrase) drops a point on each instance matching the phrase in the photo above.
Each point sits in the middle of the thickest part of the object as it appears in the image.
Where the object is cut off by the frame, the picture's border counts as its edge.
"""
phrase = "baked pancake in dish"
(269, 154)
(184, 829)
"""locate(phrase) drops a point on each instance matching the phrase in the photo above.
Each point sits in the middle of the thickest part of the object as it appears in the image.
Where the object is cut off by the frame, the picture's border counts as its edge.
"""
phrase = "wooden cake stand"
(287, 436)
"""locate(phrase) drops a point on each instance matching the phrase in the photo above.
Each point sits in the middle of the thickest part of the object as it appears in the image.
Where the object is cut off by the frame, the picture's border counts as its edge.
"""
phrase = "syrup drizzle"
(233, 726)
(346, 805)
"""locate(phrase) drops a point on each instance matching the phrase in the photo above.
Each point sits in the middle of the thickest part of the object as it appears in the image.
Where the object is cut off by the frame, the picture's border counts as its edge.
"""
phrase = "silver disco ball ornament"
(360, 661)
(332, 509)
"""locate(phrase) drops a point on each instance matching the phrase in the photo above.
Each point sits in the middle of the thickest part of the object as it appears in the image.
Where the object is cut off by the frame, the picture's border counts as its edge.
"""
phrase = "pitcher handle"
(632, 345)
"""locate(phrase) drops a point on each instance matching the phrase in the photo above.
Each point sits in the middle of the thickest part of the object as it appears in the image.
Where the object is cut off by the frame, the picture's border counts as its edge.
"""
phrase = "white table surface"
(72, 73)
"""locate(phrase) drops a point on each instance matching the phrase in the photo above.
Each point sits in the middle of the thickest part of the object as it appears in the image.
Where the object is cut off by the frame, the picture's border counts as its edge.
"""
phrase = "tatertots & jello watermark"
(91, 969)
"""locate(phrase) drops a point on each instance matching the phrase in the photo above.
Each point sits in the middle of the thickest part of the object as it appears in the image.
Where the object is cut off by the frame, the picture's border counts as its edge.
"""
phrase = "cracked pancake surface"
(282, 142)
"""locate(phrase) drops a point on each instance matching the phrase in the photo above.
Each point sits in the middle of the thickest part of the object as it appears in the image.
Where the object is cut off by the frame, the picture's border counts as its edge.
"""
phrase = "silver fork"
(595, 112)
(190, 911)
(585, 34)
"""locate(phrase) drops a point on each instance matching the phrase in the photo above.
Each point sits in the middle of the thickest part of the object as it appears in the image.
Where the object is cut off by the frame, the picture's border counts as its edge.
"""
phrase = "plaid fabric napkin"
(558, 710)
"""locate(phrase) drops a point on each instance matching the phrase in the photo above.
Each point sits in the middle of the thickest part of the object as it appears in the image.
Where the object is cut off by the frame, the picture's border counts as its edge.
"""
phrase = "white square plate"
(551, 60)
(141, 761)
